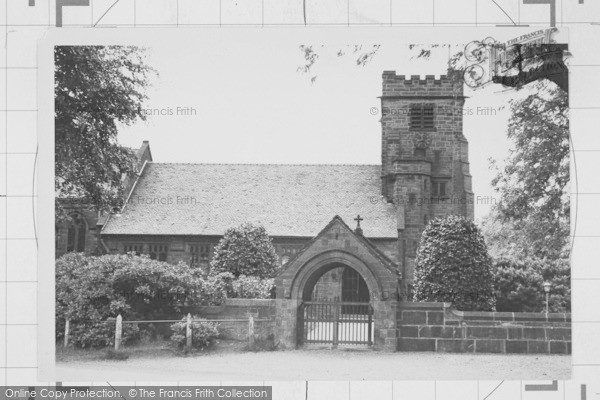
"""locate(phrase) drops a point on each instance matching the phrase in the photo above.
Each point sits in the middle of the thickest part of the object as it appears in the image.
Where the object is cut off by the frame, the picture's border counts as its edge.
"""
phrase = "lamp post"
(547, 290)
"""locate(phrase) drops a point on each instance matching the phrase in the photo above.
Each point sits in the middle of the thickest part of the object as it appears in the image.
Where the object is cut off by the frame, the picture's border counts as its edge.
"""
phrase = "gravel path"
(320, 365)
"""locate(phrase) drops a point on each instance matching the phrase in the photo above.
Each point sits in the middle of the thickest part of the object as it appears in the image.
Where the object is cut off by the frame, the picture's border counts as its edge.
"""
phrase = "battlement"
(398, 85)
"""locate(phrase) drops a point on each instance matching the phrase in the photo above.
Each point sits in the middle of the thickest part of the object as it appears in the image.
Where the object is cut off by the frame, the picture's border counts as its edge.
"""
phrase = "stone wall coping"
(430, 305)
(454, 314)
(249, 302)
(509, 316)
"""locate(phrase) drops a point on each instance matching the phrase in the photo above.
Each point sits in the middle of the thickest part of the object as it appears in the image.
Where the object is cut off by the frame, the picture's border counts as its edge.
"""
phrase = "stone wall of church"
(181, 248)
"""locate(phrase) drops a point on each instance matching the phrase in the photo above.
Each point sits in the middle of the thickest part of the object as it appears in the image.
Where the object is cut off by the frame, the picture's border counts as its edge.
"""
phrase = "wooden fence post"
(251, 331)
(188, 331)
(67, 323)
(118, 331)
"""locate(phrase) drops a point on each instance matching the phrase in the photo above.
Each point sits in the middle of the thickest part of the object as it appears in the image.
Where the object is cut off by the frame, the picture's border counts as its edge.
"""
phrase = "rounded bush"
(245, 250)
(453, 265)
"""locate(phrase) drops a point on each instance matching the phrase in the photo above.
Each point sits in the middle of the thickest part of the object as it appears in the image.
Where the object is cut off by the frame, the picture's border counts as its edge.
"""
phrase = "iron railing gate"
(336, 322)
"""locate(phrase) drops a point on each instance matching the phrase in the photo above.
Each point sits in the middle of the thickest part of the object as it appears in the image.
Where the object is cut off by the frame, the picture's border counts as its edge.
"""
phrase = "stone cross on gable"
(358, 229)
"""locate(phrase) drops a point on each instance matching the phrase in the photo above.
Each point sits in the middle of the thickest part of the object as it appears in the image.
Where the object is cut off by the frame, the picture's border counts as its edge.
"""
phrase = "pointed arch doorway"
(336, 308)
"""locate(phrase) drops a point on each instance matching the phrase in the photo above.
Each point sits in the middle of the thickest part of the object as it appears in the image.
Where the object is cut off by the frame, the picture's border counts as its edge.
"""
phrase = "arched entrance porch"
(336, 308)
(368, 273)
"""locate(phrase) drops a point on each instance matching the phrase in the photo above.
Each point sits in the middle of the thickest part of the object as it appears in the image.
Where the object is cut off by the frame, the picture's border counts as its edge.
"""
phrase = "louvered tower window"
(421, 116)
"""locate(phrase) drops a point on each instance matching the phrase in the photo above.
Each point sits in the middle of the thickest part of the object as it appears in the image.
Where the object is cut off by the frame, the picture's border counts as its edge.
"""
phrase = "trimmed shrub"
(203, 333)
(453, 265)
(245, 250)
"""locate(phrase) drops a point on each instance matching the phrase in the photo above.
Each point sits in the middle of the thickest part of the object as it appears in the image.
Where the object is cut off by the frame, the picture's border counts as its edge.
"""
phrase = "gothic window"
(136, 248)
(158, 251)
(438, 189)
(200, 255)
(437, 154)
(76, 234)
(421, 116)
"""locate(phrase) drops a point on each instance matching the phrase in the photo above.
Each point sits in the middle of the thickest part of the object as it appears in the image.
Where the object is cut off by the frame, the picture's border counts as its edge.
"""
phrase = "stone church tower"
(425, 164)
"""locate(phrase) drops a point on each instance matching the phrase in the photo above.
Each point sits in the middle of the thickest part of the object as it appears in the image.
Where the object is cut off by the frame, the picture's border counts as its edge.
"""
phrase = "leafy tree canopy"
(96, 89)
(534, 182)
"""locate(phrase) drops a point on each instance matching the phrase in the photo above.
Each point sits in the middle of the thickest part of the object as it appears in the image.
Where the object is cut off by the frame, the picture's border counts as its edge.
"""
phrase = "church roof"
(288, 200)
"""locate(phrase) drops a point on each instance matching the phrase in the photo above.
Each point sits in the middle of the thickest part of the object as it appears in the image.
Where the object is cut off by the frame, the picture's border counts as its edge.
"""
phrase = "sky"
(248, 103)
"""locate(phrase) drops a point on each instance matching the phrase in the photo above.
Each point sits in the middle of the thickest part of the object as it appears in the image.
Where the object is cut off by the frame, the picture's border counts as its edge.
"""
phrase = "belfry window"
(421, 116)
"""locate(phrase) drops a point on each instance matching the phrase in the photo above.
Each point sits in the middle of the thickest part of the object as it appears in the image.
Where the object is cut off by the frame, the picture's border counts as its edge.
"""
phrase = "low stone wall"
(262, 310)
(438, 327)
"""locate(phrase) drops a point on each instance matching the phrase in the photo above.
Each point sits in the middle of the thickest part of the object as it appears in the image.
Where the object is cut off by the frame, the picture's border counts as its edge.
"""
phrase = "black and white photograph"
(284, 209)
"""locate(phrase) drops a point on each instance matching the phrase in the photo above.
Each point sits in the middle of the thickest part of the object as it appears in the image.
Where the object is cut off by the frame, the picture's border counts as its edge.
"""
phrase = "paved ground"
(318, 365)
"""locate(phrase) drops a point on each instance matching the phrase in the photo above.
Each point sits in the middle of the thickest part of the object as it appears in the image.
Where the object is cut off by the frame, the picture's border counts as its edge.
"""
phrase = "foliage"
(529, 228)
(519, 285)
(360, 54)
(203, 333)
(96, 89)
(246, 287)
(90, 290)
(533, 184)
(453, 265)
(245, 250)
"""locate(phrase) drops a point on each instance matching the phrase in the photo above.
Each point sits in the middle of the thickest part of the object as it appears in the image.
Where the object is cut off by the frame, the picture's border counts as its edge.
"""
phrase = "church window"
(76, 234)
(158, 251)
(438, 189)
(200, 255)
(421, 116)
(437, 154)
(136, 248)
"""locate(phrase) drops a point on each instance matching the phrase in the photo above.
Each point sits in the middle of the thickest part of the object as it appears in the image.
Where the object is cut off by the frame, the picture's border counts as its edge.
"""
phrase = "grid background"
(25, 21)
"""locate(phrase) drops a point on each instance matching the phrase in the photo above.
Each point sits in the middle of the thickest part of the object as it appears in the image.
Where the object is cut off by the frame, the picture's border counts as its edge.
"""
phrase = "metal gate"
(336, 322)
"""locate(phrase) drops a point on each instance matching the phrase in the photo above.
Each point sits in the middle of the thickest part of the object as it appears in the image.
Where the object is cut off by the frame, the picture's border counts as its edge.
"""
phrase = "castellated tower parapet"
(424, 160)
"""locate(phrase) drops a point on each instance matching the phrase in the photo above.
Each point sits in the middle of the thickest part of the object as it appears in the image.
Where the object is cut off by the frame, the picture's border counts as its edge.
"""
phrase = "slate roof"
(288, 200)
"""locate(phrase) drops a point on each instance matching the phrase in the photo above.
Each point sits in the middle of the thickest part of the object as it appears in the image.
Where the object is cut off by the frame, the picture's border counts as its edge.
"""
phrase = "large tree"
(97, 88)
(533, 184)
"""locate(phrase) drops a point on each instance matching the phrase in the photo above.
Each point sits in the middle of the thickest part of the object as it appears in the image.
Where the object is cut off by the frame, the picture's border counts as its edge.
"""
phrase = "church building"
(179, 211)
